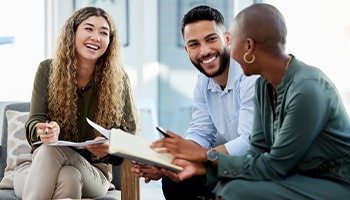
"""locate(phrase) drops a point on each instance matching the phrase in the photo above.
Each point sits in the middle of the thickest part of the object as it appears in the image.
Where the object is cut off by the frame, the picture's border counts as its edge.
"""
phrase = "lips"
(208, 59)
(91, 46)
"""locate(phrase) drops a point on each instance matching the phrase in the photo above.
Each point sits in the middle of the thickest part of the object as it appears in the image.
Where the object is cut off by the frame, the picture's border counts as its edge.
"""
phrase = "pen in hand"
(46, 129)
(162, 131)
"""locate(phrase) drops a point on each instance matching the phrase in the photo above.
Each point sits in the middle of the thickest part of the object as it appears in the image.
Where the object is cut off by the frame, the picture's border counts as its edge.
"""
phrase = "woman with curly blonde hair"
(84, 80)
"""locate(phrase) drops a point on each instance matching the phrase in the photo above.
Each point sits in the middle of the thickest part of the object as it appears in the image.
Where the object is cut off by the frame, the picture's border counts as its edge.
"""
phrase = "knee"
(167, 185)
(193, 188)
(69, 183)
(70, 177)
(45, 151)
(235, 189)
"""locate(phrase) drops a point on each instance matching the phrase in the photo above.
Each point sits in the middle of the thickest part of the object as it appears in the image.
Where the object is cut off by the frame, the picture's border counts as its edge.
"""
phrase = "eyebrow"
(206, 37)
(103, 27)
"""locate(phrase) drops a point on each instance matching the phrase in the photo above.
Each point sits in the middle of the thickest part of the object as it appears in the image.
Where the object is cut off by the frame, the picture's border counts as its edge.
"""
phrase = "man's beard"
(224, 59)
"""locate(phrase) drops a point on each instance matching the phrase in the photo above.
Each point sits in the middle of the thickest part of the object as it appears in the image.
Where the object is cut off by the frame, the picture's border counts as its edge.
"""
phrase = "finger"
(161, 150)
(135, 170)
(162, 143)
(49, 125)
(40, 130)
(157, 144)
(48, 131)
(138, 175)
(147, 180)
(180, 162)
(172, 175)
(172, 134)
(49, 135)
(149, 170)
(138, 163)
(145, 167)
(41, 125)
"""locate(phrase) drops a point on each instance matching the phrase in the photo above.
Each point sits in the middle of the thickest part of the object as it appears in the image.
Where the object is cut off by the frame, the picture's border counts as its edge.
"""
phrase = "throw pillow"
(16, 144)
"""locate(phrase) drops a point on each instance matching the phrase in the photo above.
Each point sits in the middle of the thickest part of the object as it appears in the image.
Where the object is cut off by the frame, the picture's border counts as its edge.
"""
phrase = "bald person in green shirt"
(300, 141)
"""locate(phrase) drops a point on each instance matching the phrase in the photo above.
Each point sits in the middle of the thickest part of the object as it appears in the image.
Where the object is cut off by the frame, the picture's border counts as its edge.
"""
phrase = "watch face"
(212, 155)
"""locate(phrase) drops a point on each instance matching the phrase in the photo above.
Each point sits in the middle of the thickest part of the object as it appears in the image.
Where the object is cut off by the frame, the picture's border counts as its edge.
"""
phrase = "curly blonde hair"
(109, 79)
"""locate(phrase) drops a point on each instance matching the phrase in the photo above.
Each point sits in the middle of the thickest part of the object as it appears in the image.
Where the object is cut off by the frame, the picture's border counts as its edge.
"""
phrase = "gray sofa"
(129, 189)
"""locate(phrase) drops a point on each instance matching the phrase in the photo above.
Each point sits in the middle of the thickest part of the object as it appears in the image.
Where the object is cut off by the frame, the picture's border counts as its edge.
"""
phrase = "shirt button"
(225, 172)
(234, 173)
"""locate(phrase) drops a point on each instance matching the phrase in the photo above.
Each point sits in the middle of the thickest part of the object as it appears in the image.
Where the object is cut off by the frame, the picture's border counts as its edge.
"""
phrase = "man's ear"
(185, 47)
(227, 38)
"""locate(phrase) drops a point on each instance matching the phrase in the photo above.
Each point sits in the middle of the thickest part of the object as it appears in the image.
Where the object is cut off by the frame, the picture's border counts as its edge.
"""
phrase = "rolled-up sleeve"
(240, 143)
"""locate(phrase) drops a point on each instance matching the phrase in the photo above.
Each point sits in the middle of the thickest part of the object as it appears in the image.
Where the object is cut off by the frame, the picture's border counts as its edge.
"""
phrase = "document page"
(74, 144)
(135, 147)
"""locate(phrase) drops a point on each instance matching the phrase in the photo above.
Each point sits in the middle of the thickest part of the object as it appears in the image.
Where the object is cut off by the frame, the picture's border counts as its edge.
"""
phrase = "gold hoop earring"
(250, 61)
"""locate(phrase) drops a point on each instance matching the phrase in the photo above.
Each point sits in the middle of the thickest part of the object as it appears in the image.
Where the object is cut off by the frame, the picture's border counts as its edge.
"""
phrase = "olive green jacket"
(87, 105)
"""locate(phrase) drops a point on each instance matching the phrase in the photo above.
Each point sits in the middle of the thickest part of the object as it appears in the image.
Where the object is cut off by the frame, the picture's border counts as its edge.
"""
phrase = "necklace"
(274, 90)
(274, 99)
(289, 59)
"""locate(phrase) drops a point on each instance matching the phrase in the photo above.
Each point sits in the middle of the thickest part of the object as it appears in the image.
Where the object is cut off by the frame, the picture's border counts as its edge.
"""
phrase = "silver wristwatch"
(212, 155)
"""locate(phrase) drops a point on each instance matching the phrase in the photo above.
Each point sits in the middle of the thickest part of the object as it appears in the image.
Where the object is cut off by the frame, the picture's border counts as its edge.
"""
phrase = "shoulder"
(45, 65)
(261, 85)
(124, 78)
(303, 75)
(44, 68)
(239, 76)
(202, 80)
(249, 81)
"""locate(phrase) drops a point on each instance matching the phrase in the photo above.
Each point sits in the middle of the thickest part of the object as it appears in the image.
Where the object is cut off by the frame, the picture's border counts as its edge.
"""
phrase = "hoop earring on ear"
(250, 61)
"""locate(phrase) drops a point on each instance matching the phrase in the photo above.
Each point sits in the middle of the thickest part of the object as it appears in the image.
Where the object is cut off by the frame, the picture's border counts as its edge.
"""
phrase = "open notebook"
(135, 147)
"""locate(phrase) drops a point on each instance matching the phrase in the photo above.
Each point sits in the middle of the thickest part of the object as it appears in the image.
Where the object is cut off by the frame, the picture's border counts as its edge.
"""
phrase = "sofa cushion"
(8, 195)
(16, 144)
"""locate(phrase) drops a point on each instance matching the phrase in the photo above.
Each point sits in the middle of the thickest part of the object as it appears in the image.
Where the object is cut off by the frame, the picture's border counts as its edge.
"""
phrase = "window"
(22, 42)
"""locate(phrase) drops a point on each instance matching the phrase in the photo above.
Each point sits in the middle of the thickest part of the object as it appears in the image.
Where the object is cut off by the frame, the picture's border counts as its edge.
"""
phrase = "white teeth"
(92, 46)
(209, 60)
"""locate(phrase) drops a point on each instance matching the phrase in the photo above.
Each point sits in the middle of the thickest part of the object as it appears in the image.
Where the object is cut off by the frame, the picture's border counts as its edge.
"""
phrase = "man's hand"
(189, 169)
(180, 148)
(148, 172)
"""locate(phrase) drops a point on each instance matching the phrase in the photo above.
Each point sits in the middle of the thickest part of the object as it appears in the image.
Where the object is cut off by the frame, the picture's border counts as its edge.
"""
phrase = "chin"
(245, 72)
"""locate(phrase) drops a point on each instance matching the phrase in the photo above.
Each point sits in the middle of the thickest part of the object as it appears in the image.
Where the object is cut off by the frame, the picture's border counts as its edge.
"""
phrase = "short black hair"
(202, 13)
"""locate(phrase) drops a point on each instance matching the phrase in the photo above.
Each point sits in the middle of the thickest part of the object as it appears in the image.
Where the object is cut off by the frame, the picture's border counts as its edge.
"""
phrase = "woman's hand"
(99, 150)
(190, 169)
(48, 132)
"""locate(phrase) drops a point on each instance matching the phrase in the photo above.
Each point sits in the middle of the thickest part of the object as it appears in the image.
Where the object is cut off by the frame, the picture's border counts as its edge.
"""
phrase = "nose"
(204, 50)
(95, 36)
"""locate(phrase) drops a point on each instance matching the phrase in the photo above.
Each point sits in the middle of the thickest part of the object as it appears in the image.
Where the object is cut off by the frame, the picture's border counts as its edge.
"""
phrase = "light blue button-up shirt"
(223, 116)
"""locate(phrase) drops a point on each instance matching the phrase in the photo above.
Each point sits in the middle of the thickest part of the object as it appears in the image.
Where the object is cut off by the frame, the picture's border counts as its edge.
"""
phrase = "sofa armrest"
(130, 185)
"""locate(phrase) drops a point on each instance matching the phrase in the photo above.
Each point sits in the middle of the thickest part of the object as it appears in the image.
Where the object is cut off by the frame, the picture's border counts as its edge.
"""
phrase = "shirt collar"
(233, 69)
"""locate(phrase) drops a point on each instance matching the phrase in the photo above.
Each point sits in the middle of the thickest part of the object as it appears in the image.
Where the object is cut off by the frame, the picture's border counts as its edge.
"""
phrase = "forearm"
(221, 149)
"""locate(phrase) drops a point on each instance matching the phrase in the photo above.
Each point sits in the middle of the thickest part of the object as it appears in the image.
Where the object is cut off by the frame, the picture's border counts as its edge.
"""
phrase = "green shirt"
(309, 135)
(87, 105)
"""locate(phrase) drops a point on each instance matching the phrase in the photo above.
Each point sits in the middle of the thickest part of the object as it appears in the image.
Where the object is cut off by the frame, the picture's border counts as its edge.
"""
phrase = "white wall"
(319, 35)
(19, 60)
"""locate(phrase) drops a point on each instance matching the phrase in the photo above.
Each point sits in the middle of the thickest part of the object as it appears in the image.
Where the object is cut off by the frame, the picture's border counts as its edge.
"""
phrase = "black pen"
(162, 131)
(46, 129)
